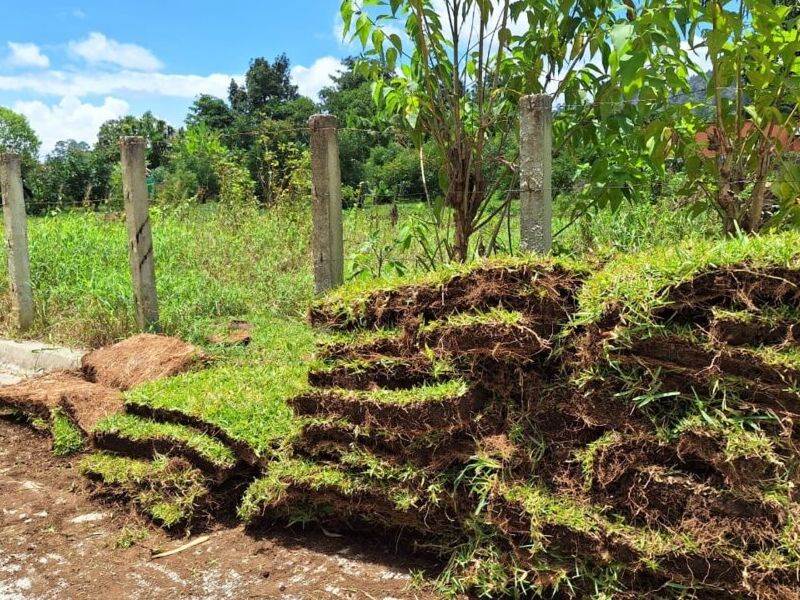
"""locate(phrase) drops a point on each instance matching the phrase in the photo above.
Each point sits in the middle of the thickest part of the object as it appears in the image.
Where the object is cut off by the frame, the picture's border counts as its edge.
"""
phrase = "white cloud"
(310, 80)
(27, 55)
(80, 84)
(70, 119)
(99, 49)
(78, 13)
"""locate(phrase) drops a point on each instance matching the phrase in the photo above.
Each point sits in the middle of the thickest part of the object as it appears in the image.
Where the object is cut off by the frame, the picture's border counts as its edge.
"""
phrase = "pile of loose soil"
(650, 450)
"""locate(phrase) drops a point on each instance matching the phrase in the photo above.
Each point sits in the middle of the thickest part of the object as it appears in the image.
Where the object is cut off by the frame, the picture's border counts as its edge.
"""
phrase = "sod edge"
(143, 438)
(429, 407)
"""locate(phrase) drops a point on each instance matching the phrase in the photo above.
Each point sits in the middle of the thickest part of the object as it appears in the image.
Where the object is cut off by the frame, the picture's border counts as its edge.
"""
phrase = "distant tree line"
(251, 146)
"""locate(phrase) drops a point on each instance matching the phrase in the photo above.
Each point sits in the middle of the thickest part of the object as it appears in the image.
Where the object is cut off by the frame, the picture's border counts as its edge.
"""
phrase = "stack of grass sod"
(673, 473)
(410, 384)
(625, 434)
(166, 468)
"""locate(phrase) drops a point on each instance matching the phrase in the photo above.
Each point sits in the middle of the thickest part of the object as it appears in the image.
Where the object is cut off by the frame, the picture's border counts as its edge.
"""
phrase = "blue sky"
(70, 66)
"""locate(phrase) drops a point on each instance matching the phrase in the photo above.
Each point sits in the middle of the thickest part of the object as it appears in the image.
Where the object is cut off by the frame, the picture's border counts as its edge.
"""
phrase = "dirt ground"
(57, 542)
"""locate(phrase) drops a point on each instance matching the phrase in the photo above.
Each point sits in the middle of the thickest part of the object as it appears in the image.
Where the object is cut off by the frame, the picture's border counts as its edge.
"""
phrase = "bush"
(393, 173)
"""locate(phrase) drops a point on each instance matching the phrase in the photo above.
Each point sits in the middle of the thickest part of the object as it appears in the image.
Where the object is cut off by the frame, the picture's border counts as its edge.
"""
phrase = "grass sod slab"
(497, 333)
(67, 437)
(734, 459)
(134, 436)
(41, 395)
(637, 285)
(554, 527)
(364, 345)
(433, 450)
(303, 490)
(658, 497)
(674, 350)
(241, 398)
(384, 372)
(450, 405)
(140, 359)
(545, 289)
(168, 490)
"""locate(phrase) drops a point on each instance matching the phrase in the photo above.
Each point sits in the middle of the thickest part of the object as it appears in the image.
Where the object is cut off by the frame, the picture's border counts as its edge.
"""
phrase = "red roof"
(709, 139)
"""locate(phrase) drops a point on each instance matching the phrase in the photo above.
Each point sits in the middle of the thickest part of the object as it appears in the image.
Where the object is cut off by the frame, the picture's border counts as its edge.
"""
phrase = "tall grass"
(212, 264)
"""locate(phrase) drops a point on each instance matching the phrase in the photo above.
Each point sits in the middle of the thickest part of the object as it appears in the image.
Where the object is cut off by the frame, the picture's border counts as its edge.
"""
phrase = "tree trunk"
(463, 233)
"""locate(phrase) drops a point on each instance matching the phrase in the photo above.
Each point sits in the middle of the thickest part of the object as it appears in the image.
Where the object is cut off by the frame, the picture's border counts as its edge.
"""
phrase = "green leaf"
(363, 29)
(346, 11)
(621, 34)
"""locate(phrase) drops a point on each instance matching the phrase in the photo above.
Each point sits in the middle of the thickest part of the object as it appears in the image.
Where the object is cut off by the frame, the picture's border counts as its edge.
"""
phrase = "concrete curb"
(37, 357)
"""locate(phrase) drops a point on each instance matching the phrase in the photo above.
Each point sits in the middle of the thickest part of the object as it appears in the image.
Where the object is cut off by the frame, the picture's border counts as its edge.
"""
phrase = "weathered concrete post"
(19, 268)
(140, 238)
(536, 173)
(327, 237)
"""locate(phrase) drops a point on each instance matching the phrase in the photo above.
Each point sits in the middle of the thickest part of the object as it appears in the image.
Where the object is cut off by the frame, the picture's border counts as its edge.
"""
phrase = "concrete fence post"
(140, 238)
(536, 173)
(327, 238)
(16, 226)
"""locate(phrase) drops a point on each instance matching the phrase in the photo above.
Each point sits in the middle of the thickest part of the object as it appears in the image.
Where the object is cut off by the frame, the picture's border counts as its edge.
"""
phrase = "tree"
(157, 132)
(730, 153)
(266, 123)
(460, 81)
(794, 7)
(349, 99)
(73, 174)
(214, 112)
(267, 86)
(17, 136)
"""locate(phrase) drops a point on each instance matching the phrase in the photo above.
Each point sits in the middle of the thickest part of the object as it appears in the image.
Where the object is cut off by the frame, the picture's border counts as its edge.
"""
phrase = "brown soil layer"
(364, 511)
(140, 359)
(448, 414)
(654, 496)
(416, 371)
(396, 346)
(510, 343)
(330, 440)
(119, 444)
(755, 395)
(739, 287)
(685, 354)
(736, 333)
(87, 410)
(547, 294)
(696, 449)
